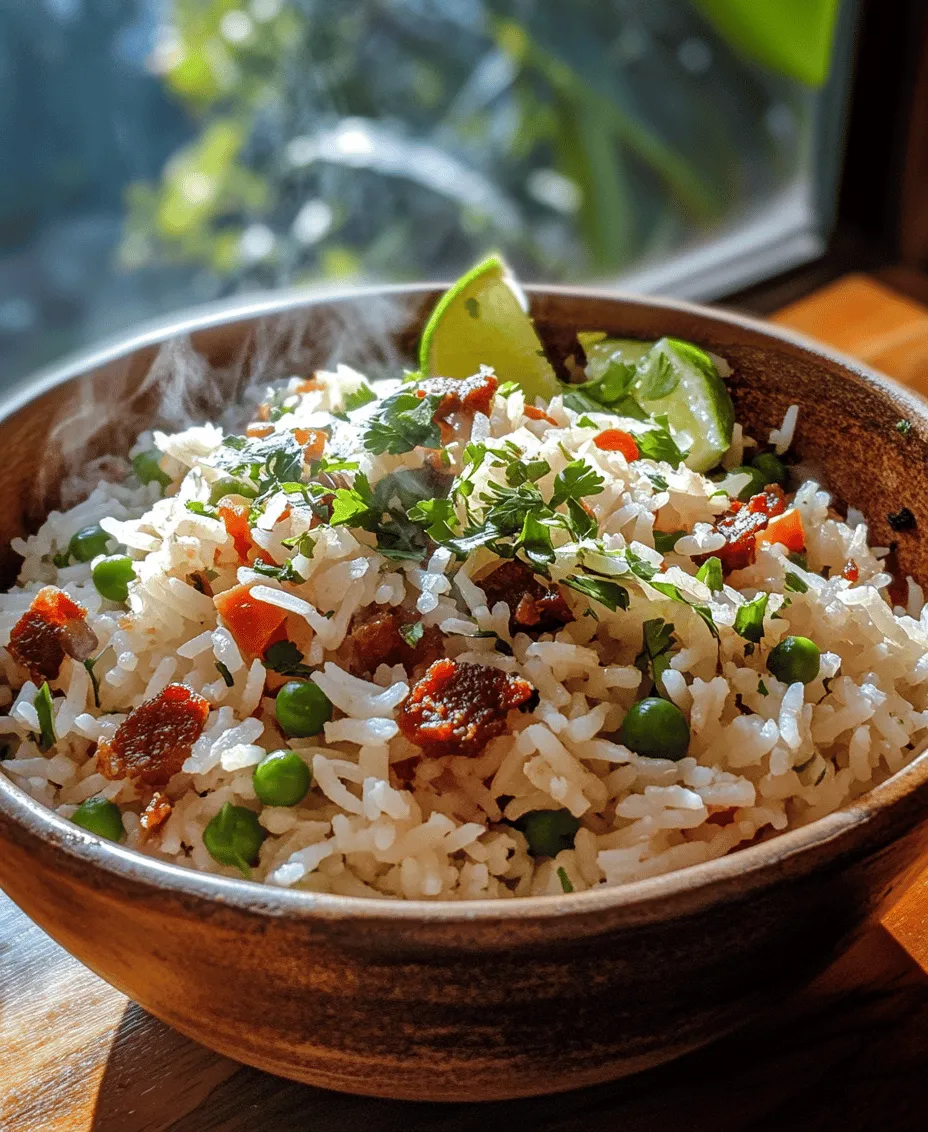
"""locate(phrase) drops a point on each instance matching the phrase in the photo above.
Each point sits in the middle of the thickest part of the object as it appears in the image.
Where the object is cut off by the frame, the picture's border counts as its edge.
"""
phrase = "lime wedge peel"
(483, 320)
(698, 408)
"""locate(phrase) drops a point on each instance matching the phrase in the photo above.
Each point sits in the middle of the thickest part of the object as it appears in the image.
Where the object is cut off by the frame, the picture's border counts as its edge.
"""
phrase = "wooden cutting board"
(850, 1053)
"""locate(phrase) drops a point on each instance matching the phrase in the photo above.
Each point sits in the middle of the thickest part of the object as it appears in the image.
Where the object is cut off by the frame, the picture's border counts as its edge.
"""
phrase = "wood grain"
(849, 1053)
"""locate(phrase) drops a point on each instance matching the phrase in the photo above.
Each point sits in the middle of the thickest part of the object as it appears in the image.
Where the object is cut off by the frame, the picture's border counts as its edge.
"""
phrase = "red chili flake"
(51, 628)
(535, 414)
(851, 570)
(533, 607)
(615, 440)
(471, 395)
(152, 742)
(457, 708)
(374, 638)
(741, 525)
(156, 813)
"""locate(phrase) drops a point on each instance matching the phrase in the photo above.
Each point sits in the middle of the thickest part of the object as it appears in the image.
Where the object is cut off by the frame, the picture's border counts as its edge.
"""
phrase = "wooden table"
(849, 1053)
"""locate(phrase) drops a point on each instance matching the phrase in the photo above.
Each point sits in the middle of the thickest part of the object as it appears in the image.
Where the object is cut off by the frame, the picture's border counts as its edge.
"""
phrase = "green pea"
(88, 542)
(771, 468)
(303, 709)
(795, 660)
(548, 831)
(99, 816)
(234, 837)
(112, 576)
(282, 779)
(655, 728)
(228, 486)
(756, 484)
(147, 467)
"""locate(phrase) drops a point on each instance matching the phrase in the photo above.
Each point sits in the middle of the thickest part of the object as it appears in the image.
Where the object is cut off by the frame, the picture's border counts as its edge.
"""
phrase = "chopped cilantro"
(668, 589)
(710, 572)
(762, 688)
(199, 508)
(904, 427)
(284, 573)
(656, 649)
(403, 422)
(89, 664)
(658, 377)
(61, 559)
(794, 582)
(749, 619)
(225, 674)
(304, 544)
(518, 472)
(535, 543)
(280, 455)
(412, 633)
(657, 444)
(582, 523)
(658, 482)
(585, 422)
(45, 710)
(562, 876)
(575, 481)
(508, 388)
(665, 541)
(610, 594)
(284, 657)
(359, 397)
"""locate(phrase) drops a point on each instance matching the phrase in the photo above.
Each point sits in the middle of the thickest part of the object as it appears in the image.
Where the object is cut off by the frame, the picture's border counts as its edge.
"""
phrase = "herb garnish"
(749, 619)
(710, 572)
(45, 710)
(562, 876)
(284, 657)
(412, 633)
(904, 427)
(658, 645)
(794, 582)
(225, 674)
(403, 422)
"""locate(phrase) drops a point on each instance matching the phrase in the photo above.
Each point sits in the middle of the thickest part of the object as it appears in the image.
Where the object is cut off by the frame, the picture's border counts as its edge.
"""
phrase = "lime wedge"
(480, 320)
(675, 379)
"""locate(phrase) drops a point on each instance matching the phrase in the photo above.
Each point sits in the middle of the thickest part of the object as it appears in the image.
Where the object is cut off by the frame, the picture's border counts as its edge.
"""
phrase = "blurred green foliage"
(398, 138)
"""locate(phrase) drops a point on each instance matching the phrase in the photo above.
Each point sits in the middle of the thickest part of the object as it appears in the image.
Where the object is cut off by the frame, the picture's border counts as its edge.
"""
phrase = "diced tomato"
(252, 623)
(786, 529)
(313, 442)
(851, 571)
(615, 440)
(234, 514)
(534, 414)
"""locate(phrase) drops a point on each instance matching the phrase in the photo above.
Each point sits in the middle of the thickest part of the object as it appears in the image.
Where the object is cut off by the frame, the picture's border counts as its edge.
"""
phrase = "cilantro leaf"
(284, 657)
(199, 508)
(658, 377)
(749, 620)
(575, 481)
(762, 688)
(657, 647)
(353, 505)
(610, 594)
(412, 633)
(710, 572)
(665, 541)
(359, 397)
(535, 543)
(794, 582)
(284, 573)
(436, 516)
(657, 444)
(582, 523)
(668, 589)
(45, 710)
(403, 422)
(280, 454)
(518, 472)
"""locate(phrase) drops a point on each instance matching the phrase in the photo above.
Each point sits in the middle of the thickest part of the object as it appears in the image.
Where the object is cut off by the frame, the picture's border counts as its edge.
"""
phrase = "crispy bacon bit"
(533, 607)
(616, 440)
(457, 708)
(851, 571)
(374, 638)
(472, 395)
(741, 525)
(152, 742)
(156, 813)
(313, 442)
(534, 414)
(259, 431)
(52, 627)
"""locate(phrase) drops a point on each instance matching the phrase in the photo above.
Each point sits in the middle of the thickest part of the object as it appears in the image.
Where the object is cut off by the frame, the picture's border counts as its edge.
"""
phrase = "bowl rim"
(755, 866)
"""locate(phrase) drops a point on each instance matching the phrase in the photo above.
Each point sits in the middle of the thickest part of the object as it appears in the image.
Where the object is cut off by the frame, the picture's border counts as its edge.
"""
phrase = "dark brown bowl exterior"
(484, 1000)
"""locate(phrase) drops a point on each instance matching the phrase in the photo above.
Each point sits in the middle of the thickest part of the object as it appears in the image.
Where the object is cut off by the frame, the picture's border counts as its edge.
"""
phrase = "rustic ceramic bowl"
(474, 1000)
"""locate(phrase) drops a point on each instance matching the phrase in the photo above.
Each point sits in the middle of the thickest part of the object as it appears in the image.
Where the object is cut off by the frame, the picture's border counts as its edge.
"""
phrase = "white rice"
(763, 756)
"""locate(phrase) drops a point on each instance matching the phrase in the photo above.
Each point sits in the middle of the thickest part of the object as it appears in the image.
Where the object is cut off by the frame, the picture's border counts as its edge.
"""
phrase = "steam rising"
(183, 386)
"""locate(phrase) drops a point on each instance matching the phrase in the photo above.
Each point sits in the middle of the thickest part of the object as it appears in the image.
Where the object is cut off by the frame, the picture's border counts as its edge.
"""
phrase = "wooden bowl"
(484, 999)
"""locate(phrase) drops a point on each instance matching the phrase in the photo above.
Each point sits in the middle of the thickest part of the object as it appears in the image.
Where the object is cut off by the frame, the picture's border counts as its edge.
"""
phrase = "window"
(159, 153)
